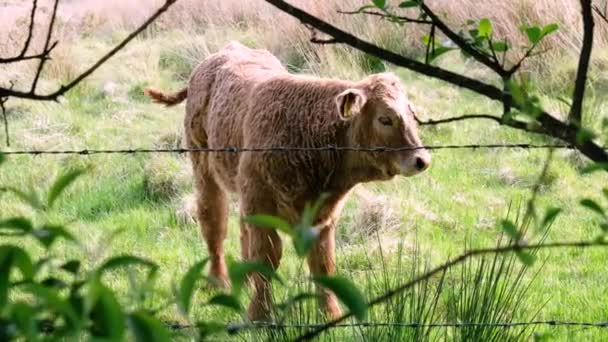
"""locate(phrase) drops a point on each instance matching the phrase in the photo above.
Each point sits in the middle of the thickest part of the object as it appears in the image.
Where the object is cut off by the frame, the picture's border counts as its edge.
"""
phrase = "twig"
(3, 108)
(431, 122)
(575, 115)
(45, 50)
(451, 263)
(390, 16)
(461, 43)
(30, 31)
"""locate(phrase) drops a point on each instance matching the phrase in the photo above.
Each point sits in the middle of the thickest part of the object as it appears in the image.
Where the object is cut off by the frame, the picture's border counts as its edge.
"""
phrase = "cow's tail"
(168, 99)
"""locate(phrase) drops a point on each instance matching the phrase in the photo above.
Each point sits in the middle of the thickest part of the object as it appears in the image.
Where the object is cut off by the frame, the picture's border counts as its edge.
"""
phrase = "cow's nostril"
(421, 164)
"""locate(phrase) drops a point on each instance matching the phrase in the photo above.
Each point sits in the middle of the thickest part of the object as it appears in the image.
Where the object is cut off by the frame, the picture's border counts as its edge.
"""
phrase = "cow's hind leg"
(321, 261)
(259, 244)
(212, 213)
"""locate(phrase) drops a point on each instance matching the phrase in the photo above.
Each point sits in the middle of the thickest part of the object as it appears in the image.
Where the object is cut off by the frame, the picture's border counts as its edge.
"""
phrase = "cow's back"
(218, 95)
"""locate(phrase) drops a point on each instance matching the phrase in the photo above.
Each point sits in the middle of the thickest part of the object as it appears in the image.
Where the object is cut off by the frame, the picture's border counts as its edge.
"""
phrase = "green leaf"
(347, 292)
(593, 167)
(146, 328)
(484, 28)
(225, 300)
(304, 240)
(305, 234)
(268, 221)
(186, 287)
(30, 198)
(72, 266)
(19, 258)
(410, 3)
(605, 192)
(380, 3)
(2, 158)
(548, 29)
(12, 256)
(593, 206)
(61, 184)
(500, 46)
(510, 229)
(534, 34)
(16, 226)
(48, 234)
(52, 301)
(365, 7)
(550, 216)
(24, 316)
(583, 135)
(604, 227)
(438, 51)
(238, 272)
(525, 257)
(124, 261)
(106, 316)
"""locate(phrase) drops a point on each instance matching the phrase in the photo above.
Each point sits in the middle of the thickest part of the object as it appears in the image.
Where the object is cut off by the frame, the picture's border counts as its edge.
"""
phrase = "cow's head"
(381, 115)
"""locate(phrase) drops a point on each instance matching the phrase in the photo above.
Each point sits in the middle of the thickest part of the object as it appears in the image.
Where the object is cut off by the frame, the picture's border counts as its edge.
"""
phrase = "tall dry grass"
(204, 26)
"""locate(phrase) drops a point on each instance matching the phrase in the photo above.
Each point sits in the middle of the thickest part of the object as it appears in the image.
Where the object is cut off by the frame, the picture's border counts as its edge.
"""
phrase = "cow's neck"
(353, 167)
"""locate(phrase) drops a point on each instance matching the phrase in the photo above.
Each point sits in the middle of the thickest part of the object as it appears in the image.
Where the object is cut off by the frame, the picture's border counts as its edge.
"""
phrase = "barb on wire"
(287, 149)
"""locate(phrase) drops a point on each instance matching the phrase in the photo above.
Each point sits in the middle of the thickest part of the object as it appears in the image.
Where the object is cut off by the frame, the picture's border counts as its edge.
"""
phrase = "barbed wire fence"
(235, 328)
(286, 149)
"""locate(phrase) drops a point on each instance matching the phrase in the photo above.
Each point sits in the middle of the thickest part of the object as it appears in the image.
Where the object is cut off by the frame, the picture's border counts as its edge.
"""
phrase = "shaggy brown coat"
(240, 97)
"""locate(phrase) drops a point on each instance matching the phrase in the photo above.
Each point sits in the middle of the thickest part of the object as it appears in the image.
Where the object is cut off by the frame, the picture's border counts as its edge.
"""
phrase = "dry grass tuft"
(165, 177)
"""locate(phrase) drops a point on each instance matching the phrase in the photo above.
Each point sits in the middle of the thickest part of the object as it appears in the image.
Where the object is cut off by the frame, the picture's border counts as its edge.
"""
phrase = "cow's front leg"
(322, 261)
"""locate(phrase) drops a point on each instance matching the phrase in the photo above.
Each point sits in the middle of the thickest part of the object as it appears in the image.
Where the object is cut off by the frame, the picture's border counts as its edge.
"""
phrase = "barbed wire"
(279, 149)
(234, 328)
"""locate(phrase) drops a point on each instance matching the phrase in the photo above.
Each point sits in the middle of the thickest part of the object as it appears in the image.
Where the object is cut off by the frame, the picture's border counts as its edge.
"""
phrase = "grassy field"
(388, 231)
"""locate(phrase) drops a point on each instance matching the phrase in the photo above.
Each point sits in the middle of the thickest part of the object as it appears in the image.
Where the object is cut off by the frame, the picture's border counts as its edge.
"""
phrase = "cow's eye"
(385, 120)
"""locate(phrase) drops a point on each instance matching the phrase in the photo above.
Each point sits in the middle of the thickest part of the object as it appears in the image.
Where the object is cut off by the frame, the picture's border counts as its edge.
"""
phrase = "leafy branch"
(544, 122)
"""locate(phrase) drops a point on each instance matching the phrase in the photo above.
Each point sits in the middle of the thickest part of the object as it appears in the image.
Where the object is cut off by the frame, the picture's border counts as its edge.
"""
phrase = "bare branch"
(600, 13)
(432, 122)
(388, 16)
(31, 95)
(578, 95)
(451, 263)
(30, 31)
(45, 50)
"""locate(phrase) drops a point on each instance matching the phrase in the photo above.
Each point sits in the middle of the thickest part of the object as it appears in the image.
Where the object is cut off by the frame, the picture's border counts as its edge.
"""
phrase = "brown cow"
(245, 98)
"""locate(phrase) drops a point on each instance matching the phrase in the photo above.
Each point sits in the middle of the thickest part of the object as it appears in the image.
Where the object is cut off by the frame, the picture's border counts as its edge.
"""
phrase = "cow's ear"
(350, 103)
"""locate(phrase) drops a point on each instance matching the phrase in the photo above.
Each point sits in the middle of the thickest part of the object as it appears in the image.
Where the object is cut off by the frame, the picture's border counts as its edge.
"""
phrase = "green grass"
(456, 204)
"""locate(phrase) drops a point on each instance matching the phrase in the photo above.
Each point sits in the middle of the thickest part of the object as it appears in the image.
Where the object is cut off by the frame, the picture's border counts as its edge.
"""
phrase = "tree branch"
(451, 263)
(578, 95)
(31, 95)
(549, 125)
